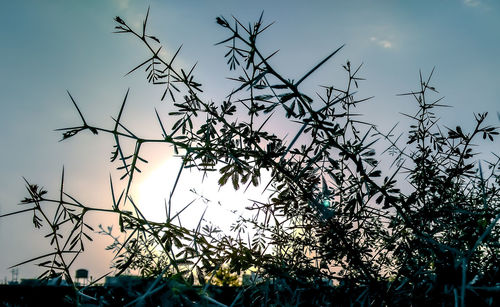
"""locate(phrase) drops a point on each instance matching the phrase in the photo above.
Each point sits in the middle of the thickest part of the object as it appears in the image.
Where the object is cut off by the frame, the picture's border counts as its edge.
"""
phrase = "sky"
(50, 46)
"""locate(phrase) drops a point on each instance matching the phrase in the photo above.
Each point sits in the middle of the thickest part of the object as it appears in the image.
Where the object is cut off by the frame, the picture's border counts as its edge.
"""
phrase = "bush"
(340, 228)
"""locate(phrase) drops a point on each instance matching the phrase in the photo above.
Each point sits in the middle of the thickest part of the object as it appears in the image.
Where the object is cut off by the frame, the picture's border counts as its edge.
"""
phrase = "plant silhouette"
(340, 228)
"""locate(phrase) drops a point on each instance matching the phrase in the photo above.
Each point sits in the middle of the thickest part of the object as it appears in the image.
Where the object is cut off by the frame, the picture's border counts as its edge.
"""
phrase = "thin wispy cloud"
(122, 4)
(384, 43)
(472, 3)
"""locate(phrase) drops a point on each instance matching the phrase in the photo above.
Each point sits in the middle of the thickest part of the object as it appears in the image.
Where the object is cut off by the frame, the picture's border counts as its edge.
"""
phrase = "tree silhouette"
(423, 229)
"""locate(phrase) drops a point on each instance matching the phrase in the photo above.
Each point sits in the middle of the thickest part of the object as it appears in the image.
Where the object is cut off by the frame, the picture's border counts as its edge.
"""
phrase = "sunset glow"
(193, 195)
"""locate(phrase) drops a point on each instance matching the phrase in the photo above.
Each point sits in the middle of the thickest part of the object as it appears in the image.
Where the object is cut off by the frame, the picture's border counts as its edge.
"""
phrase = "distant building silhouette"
(15, 276)
(82, 277)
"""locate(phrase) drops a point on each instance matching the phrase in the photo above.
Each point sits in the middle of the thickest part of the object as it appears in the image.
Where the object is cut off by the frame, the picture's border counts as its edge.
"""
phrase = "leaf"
(119, 20)
(154, 38)
(87, 236)
(222, 22)
(285, 97)
(235, 178)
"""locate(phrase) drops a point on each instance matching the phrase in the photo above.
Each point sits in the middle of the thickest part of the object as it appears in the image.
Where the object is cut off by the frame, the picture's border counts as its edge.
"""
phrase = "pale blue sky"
(48, 47)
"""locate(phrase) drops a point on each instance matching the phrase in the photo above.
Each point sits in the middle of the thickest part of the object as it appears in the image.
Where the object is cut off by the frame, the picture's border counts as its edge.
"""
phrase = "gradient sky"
(50, 46)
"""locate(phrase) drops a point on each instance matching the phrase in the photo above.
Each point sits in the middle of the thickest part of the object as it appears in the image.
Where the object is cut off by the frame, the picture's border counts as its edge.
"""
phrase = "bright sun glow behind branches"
(223, 204)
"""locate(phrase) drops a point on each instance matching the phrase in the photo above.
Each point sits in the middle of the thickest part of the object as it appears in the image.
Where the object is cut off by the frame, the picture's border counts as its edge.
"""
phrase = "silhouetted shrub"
(339, 229)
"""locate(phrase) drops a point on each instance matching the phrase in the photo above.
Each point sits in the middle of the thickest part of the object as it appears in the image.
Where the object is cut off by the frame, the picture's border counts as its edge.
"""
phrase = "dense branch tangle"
(245, 148)
(335, 165)
(330, 214)
(240, 145)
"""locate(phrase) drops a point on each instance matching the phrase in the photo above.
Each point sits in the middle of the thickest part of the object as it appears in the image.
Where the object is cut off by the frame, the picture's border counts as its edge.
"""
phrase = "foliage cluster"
(342, 224)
